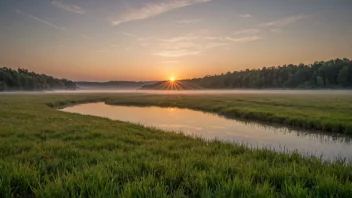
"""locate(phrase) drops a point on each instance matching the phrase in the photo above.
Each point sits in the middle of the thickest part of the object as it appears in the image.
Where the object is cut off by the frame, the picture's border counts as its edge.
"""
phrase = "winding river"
(211, 126)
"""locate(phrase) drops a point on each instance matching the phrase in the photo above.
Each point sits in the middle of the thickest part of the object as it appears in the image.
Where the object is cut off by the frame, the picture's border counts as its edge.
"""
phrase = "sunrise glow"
(146, 40)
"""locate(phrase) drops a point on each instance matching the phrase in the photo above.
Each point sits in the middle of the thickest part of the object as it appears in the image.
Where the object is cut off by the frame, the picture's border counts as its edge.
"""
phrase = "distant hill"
(333, 74)
(113, 84)
(24, 80)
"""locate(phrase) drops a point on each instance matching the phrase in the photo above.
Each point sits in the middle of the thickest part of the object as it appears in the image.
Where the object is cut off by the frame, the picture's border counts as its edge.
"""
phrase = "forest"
(333, 74)
(324, 74)
(24, 80)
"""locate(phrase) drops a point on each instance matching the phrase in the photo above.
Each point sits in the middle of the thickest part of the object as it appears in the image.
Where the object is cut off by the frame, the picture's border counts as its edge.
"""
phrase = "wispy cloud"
(190, 45)
(40, 20)
(143, 41)
(178, 53)
(215, 44)
(185, 38)
(129, 34)
(69, 7)
(152, 9)
(276, 30)
(179, 46)
(189, 21)
(243, 39)
(245, 15)
(246, 31)
(87, 37)
(168, 62)
(284, 21)
(227, 40)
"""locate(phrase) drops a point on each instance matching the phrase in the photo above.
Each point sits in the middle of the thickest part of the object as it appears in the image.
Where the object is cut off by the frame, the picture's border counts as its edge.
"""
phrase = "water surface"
(211, 126)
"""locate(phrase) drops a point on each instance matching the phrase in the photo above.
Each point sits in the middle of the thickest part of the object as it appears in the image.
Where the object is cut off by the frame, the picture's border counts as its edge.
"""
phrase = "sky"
(103, 40)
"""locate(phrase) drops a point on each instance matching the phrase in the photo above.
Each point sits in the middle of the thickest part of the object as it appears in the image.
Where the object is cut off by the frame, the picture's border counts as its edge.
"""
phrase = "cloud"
(189, 21)
(152, 9)
(185, 45)
(180, 45)
(87, 37)
(178, 53)
(185, 38)
(276, 30)
(143, 41)
(168, 62)
(215, 44)
(40, 20)
(129, 34)
(284, 21)
(189, 44)
(69, 7)
(243, 39)
(245, 15)
(247, 31)
(227, 40)
(179, 50)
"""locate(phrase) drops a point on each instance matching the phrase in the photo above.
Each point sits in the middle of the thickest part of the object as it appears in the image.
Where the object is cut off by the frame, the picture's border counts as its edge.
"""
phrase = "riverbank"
(324, 112)
(48, 153)
(209, 126)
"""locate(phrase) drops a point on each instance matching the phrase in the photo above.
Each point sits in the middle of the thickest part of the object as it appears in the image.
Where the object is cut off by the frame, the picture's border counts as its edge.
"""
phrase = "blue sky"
(155, 39)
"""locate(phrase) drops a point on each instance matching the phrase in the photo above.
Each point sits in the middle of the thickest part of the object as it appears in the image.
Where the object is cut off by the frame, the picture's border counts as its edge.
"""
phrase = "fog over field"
(189, 92)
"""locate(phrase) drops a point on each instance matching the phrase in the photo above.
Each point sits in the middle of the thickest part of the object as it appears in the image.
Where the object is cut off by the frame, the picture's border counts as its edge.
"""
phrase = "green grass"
(329, 113)
(48, 153)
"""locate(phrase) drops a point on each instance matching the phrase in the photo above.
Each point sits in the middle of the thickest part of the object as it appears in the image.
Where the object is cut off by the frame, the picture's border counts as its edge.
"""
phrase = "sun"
(172, 79)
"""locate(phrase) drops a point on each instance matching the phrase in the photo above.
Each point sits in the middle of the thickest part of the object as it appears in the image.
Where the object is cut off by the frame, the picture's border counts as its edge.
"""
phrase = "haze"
(155, 40)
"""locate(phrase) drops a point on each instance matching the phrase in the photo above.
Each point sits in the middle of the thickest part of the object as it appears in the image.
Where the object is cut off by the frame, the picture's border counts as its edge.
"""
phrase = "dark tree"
(22, 79)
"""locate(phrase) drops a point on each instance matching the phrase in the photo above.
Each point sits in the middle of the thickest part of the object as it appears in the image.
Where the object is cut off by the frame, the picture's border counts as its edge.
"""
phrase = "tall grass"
(48, 153)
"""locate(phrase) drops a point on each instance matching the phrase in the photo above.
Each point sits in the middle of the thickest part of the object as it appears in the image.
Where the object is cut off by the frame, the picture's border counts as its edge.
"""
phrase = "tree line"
(333, 74)
(24, 80)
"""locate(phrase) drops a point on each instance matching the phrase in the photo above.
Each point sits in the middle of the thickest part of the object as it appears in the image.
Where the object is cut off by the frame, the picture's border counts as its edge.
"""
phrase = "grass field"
(48, 153)
(330, 113)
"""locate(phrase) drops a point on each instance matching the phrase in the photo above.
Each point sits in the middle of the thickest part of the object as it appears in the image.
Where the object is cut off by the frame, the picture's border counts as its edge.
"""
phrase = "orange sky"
(156, 39)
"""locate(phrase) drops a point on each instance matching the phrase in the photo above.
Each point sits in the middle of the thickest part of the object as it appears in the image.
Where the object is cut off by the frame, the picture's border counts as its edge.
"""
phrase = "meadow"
(48, 153)
(316, 111)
